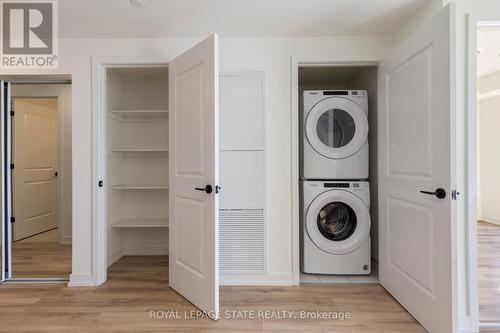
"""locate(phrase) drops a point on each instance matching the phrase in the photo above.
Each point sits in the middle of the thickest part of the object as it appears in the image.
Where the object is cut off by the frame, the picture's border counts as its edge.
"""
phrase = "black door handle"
(207, 189)
(440, 193)
(56, 174)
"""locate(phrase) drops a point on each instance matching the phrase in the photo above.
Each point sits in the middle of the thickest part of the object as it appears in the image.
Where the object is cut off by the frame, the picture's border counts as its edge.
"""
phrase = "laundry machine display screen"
(335, 128)
(337, 221)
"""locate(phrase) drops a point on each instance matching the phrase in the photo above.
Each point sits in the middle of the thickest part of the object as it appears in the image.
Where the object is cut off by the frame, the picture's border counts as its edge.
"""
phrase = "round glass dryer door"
(338, 222)
(336, 127)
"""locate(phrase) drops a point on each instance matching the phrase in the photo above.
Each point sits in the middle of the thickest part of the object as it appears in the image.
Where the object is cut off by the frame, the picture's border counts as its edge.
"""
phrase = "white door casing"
(415, 131)
(194, 163)
(35, 158)
(5, 231)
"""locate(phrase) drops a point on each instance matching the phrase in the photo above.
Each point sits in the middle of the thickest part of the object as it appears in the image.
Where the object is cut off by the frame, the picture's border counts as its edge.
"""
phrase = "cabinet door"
(194, 167)
(416, 153)
(241, 111)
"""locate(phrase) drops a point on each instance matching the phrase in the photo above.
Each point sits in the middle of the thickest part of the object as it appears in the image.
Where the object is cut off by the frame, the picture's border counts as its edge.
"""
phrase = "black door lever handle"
(440, 193)
(207, 189)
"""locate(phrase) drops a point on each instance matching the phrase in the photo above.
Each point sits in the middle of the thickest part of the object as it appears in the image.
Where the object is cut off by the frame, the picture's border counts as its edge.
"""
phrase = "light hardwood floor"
(139, 284)
(489, 272)
(40, 259)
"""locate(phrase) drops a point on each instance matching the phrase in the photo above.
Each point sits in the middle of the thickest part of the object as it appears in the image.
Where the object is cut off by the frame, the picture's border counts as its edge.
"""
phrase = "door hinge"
(12, 113)
(12, 219)
(454, 194)
(12, 166)
(101, 183)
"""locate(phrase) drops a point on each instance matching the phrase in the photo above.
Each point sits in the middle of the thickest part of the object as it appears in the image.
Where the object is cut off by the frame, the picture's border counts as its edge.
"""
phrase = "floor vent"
(242, 241)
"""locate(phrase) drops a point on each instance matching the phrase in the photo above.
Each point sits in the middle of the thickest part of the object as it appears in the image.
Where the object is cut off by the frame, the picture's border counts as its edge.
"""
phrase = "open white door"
(194, 167)
(416, 153)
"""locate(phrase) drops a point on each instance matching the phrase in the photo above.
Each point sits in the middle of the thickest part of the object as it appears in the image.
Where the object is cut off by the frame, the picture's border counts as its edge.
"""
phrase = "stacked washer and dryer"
(335, 194)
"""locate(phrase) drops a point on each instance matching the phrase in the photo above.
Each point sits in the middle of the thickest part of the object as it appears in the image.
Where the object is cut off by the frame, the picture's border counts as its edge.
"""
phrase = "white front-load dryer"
(334, 134)
(335, 227)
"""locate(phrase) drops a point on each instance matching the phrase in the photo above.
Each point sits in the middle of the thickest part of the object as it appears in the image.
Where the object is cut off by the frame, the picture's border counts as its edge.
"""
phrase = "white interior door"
(415, 145)
(194, 163)
(35, 152)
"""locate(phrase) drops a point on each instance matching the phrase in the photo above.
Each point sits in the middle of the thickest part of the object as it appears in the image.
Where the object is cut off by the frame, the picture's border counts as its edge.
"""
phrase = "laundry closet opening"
(337, 178)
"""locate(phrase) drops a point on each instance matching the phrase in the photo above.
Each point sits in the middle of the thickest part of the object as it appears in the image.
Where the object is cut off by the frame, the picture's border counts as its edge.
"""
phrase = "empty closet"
(137, 161)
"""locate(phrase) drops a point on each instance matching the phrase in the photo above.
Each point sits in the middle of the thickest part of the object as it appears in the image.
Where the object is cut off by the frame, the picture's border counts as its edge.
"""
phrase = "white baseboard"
(490, 219)
(257, 280)
(80, 280)
(465, 324)
(114, 257)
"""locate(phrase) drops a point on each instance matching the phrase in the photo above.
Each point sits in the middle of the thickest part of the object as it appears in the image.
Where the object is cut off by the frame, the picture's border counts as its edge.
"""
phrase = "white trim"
(490, 324)
(80, 280)
(99, 112)
(275, 279)
(296, 61)
(471, 159)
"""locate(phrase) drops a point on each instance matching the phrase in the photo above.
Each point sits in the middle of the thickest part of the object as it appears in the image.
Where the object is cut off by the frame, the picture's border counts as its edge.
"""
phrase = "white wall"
(269, 55)
(488, 157)
(63, 92)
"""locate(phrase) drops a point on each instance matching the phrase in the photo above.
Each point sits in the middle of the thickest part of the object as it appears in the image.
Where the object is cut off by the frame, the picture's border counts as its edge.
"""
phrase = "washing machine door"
(338, 222)
(336, 127)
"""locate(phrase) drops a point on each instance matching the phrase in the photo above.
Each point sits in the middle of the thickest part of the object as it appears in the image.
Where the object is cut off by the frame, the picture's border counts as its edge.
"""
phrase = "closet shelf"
(139, 187)
(140, 112)
(139, 150)
(141, 223)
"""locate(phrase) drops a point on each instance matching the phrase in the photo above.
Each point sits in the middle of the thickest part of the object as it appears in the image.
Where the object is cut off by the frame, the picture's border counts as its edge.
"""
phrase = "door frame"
(30, 78)
(62, 103)
(99, 197)
(471, 275)
(312, 61)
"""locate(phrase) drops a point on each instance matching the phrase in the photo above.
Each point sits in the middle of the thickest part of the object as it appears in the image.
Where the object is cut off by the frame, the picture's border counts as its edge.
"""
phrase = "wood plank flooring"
(489, 272)
(40, 259)
(138, 285)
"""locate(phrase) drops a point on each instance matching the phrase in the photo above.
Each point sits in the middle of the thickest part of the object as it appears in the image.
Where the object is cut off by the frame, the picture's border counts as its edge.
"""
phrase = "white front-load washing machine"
(335, 227)
(334, 134)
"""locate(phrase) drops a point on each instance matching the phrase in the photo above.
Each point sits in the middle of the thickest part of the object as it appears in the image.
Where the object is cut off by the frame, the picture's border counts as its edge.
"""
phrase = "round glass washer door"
(336, 127)
(338, 222)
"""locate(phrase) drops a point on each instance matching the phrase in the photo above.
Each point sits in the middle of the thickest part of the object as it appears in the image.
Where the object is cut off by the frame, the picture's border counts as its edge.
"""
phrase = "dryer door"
(336, 127)
(338, 222)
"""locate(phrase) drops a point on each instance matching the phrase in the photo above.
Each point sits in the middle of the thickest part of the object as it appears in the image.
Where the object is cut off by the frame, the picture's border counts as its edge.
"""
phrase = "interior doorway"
(482, 236)
(488, 179)
(37, 158)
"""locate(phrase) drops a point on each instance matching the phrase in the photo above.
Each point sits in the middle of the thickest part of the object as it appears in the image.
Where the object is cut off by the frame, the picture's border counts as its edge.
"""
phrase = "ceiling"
(488, 45)
(232, 18)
